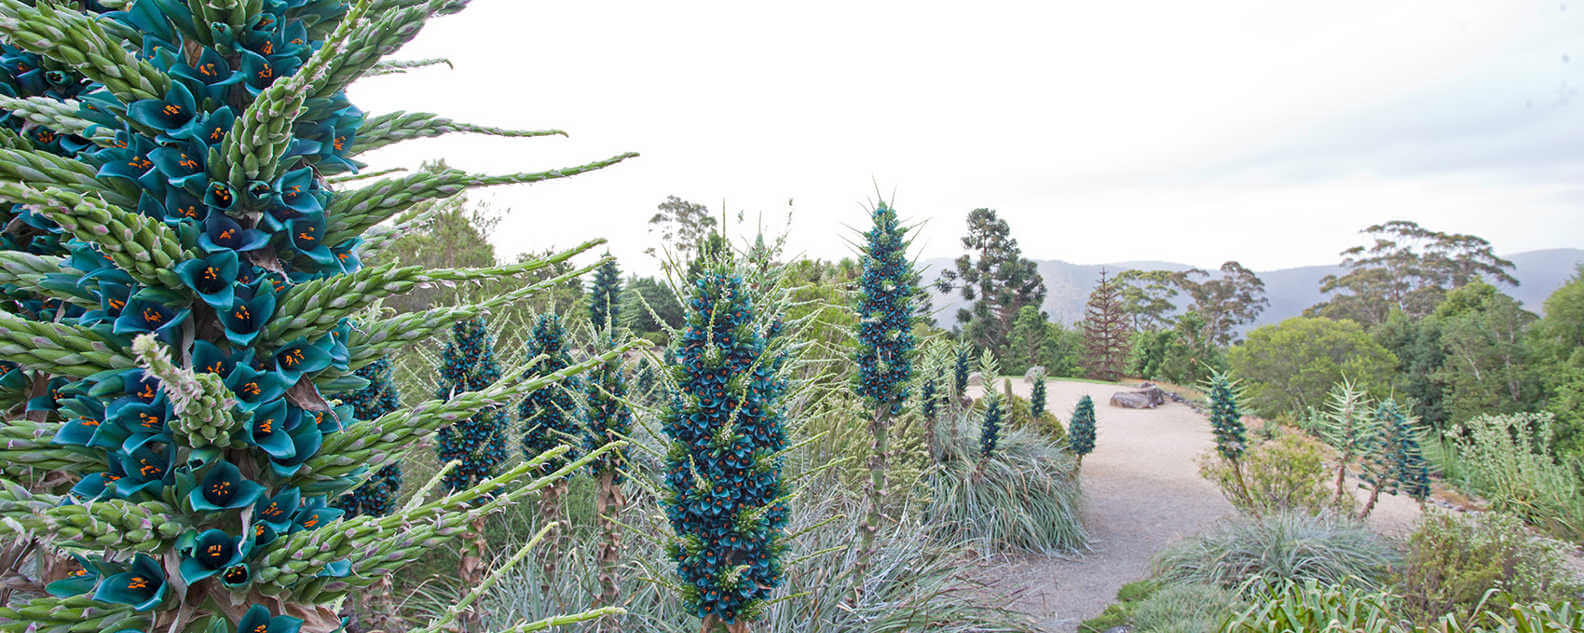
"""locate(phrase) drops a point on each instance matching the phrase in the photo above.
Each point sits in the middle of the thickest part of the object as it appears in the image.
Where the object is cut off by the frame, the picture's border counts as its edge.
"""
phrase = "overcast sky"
(1195, 132)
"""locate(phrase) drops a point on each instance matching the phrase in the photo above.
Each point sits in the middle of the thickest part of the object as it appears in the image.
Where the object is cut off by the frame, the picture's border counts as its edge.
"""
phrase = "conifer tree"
(1081, 429)
(990, 425)
(609, 420)
(885, 350)
(1105, 328)
(1226, 422)
(206, 271)
(724, 493)
(1036, 378)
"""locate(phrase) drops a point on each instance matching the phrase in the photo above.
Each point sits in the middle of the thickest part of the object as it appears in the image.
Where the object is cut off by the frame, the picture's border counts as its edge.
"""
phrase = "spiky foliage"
(1392, 461)
(1081, 428)
(961, 367)
(1226, 421)
(549, 417)
(1036, 378)
(725, 497)
(1348, 424)
(1024, 497)
(605, 295)
(885, 351)
(202, 270)
(990, 424)
(378, 496)
(478, 443)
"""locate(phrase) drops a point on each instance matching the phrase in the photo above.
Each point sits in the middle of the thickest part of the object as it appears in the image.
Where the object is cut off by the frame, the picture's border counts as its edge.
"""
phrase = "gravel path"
(1142, 492)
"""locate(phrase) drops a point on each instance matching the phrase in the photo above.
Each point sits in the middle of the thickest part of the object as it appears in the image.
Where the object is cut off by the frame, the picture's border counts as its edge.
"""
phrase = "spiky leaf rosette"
(479, 442)
(1226, 421)
(605, 296)
(885, 314)
(378, 496)
(609, 415)
(725, 497)
(549, 417)
(1081, 428)
(191, 273)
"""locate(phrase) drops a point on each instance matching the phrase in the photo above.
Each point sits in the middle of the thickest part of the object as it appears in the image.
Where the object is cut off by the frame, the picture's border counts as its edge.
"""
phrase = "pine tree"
(1081, 429)
(378, 496)
(885, 350)
(609, 420)
(203, 268)
(1036, 378)
(724, 494)
(1105, 328)
(605, 296)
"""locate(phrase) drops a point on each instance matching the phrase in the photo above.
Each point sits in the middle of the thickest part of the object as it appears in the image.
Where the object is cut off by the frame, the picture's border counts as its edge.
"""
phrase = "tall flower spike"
(990, 426)
(165, 171)
(1081, 429)
(724, 494)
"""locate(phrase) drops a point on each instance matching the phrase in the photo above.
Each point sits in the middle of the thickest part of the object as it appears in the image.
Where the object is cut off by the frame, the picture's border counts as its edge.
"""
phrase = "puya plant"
(935, 393)
(1393, 461)
(1347, 425)
(1081, 429)
(1036, 380)
(990, 423)
(884, 352)
(203, 294)
(378, 496)
(724, 493)
(550, 417)
(609, 419)
(1226, 423)
(475, 446)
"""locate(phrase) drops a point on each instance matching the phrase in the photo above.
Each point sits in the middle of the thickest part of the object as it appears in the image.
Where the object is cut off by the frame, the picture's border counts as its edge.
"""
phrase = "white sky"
(1196, 132)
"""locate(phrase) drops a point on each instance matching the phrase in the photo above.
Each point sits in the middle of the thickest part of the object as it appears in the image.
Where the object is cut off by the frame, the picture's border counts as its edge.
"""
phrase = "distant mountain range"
(1290, 290)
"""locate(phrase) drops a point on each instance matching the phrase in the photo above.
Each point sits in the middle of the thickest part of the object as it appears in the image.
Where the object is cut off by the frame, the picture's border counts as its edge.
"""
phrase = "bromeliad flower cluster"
(478, 443)
(885, 315)
(550, 417)
(179, 276)
(725, 496)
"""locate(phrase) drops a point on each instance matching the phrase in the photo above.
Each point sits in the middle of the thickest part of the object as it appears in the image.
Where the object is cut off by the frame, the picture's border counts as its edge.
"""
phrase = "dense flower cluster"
(990, 426)
(885, 314)
(549, 416)
(479, 442)
(929, 398)
(176, 281)
(378, 495)
(960, 369)
(1081, 428)
(1394, 461)
(605, 296)
(724, 490)
(1036, 378)
(1225, 419)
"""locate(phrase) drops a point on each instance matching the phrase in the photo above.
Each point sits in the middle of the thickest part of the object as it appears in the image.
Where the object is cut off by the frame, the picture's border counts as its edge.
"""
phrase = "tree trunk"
(1369, 506)
(607, 504)
(878, 427)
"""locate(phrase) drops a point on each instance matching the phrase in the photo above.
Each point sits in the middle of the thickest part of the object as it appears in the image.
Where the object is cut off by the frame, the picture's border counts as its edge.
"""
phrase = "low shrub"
(1509, 460)
(1023, 497)
(1285, 546)
(1285, 474)
(1454, 561)
(1119, 613)
(1189, 608)
(1315, 606)
(1018, 415)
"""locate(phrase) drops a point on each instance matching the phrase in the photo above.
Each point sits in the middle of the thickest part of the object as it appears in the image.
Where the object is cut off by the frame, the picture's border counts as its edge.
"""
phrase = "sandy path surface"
(1142, 492)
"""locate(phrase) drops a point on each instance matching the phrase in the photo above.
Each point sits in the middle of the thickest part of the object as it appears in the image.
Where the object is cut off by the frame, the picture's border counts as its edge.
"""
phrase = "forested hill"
(1290, 289)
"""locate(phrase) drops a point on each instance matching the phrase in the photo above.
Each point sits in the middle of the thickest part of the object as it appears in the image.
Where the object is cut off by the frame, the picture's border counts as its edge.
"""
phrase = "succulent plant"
(550, 417)
(1226, 421)
(1081, 428)
(605, 296)
(180, 293)
(477, 443)
(724, 492)
(990, 425)
(1036, 378)
(1393, 459)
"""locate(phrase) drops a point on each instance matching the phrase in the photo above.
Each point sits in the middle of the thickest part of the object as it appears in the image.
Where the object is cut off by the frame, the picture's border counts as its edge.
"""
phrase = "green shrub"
(1508, 460)
(1453, 560)
(1291, 365)
(1186, 608)
(1023, 497)
(1288, 473)
(1278, 547)
(1120, 613)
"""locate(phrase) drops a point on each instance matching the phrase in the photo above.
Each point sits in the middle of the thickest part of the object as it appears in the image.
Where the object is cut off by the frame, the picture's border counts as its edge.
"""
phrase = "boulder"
(1147, 398)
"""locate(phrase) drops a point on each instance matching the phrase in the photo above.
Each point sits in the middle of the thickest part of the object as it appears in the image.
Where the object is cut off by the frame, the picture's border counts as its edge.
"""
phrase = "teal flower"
(221, 233)
(299, 358)
(268, 430)
(149, 311)
(142, 586)
(129, 160)
(182, 165)
(175, 116)
(253, 387)
(224, 488)
(220, 196)
(208, 357)
(78, 581)
(297, 191)
(238, 576)
(307, 237)
(211, 76)
(210, 553)
(306, 441)
(211, 278)
(258, 620)
(277, 512)
(144, 421)
(315, 514)
(245, 318)
(146, 468)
